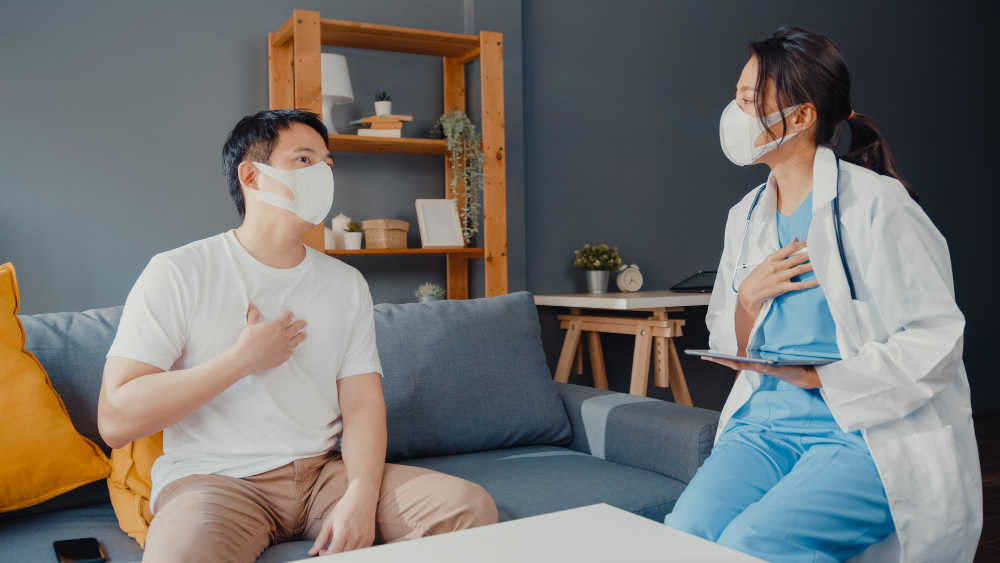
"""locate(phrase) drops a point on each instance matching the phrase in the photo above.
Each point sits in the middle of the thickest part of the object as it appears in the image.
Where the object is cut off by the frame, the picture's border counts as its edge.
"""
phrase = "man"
(213, 350)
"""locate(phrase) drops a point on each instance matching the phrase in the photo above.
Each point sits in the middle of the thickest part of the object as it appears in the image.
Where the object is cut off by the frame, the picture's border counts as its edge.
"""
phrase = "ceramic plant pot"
(426, 298)
(597, 281)
(352, 241)
(383, 108)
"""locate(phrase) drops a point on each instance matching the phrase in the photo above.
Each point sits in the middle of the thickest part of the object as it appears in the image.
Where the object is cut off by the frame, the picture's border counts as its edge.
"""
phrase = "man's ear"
(248, 175)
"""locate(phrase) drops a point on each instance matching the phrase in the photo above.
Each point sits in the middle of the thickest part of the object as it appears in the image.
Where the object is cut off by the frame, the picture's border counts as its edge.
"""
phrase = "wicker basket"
(385, 233)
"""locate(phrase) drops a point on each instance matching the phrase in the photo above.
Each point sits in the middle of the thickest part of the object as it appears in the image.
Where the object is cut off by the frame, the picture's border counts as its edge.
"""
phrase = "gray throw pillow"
(466, 376)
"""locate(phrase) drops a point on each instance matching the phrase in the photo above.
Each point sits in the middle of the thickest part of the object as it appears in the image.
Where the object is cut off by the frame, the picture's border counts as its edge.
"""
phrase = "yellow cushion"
(43, 455)
(130, 484)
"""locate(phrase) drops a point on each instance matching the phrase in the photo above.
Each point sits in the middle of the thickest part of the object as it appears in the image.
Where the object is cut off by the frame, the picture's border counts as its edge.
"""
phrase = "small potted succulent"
(429, 292)
(383, 103)
(352, 236)
(598, 261)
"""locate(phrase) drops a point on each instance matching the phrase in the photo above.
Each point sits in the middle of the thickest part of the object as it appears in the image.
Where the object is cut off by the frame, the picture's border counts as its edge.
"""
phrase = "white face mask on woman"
(311, 188)
(738, 131)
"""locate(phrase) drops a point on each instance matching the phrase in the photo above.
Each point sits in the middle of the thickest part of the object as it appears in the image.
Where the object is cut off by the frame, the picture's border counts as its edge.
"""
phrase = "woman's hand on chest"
(773, 276)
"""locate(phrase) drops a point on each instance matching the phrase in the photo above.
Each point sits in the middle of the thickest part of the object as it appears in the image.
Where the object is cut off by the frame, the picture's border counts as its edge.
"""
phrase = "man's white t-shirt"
(190, 304)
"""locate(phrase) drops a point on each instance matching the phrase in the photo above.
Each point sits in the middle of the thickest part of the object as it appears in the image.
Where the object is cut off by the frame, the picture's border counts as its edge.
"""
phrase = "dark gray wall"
(114, 116)
(622, 105)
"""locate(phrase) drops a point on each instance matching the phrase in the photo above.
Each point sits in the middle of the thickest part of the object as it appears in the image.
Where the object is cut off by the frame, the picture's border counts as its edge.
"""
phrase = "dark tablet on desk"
(758, 357)
(702, 282)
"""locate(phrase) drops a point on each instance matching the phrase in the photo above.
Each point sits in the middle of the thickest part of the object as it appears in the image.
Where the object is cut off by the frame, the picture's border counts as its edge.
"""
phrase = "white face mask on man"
(738, 132)
(311, 188)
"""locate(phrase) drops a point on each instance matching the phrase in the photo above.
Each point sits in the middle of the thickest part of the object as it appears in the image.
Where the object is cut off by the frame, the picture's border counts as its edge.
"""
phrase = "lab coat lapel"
(765, 221)
(823, 250)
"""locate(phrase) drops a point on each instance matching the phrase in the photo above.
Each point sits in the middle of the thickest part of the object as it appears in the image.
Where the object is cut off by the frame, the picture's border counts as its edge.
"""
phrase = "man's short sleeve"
(153, 327)
(362, 352)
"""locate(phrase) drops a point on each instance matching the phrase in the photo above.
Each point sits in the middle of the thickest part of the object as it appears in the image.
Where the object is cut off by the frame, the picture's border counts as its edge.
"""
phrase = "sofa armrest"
(659, 436)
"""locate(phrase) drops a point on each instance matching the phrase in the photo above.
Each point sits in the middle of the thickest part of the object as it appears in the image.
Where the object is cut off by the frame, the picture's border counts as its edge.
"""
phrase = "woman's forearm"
(746, 315)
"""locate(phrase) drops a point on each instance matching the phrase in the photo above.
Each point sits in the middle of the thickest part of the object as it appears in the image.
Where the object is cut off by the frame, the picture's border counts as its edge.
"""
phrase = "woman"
(877, 448)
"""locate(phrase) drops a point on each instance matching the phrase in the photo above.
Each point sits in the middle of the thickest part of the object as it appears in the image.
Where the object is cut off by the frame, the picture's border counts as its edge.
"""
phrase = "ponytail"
(869, 149)
(807, 68)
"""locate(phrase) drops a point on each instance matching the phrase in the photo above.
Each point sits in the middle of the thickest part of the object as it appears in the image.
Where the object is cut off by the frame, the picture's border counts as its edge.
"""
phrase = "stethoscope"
(836, 230)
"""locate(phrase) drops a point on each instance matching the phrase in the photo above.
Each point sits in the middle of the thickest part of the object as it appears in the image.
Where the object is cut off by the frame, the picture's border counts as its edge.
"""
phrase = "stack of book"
(389, 125)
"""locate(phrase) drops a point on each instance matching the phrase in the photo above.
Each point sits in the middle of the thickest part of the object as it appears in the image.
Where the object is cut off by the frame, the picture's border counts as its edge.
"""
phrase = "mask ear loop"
(276, 175)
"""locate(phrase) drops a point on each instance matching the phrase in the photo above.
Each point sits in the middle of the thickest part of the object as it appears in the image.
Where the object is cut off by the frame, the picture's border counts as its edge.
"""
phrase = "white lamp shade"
(336, 81)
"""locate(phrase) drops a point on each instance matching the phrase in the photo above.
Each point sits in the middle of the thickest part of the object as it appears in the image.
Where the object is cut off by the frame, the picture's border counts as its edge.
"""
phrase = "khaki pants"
(217, 518)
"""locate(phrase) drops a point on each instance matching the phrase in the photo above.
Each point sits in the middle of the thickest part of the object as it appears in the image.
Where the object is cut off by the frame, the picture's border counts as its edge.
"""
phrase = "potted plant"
(383, 103)
(429, 292)
(598, 261)
(352, 236)
(466, 158)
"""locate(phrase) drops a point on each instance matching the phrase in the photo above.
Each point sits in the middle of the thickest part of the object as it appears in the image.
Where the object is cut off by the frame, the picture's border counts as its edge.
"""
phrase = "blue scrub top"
(798, 322)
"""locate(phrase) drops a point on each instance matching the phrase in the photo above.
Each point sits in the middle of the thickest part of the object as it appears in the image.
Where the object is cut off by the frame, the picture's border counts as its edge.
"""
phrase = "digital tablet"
(702, 282)
(769, 358)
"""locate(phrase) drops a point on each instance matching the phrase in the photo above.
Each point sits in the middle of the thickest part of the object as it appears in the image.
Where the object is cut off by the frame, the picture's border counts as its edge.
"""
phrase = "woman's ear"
(248, 175)
(804, 118)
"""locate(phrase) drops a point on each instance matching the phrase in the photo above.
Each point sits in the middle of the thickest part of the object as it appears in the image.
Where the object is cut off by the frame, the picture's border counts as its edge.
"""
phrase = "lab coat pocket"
(940, 474)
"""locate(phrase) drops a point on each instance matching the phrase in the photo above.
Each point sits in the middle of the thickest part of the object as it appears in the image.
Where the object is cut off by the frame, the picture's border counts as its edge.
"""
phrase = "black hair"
(807, 67)
(253, 139)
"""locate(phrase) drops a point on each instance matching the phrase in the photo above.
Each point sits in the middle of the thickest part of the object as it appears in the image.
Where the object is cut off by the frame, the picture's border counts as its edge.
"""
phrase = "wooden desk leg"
(661, 365)
(578, 359)
(568, 352)
(677, 380)
(597, 360)
(640, 362)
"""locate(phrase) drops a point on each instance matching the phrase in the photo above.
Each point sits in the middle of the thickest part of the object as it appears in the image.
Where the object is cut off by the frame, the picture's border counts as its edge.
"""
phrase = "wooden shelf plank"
(388, 145)
(463, 252)
(341, 33)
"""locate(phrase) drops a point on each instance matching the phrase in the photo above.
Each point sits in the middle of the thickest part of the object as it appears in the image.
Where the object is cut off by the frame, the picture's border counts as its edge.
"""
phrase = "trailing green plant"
(353, 227)
(597, 257)
(382, 96)
(429, 290)
(465, 146)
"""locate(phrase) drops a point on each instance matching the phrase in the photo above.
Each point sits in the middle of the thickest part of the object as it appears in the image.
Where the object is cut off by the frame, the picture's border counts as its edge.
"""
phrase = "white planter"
(428, 298)
(383, 108)
(339, 226)
(352, 241)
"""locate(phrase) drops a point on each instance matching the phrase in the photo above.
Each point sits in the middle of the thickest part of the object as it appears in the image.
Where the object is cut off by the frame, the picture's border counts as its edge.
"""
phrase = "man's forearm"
(363, 444)
(149, 403)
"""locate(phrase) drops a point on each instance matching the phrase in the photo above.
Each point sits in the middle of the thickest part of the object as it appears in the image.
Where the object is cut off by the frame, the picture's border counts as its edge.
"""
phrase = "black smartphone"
(81, 550)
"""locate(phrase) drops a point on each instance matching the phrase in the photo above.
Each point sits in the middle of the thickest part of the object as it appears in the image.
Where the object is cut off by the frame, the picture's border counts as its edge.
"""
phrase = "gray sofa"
(468, 393)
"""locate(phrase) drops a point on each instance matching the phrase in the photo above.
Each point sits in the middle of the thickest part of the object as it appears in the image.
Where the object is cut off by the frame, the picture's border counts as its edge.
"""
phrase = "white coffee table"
(598, 533)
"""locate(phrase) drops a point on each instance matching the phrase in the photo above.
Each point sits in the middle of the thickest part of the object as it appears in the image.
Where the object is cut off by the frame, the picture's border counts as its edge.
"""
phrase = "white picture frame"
(439, 224)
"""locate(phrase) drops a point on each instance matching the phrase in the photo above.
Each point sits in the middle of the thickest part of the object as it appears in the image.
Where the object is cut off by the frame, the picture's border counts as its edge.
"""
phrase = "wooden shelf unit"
(466, 252)
(404, 145)
(293, 54)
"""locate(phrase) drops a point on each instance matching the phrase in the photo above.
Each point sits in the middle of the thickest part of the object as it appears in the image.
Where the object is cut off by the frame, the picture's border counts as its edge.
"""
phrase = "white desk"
(638, 300)
(593, 534)
(652, 334)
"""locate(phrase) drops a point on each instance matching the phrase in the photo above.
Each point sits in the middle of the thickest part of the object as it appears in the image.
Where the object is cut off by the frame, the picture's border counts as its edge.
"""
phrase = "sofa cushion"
(72, 348)
(30, 538)
(465, 376)
(43, 455)
(533, 480)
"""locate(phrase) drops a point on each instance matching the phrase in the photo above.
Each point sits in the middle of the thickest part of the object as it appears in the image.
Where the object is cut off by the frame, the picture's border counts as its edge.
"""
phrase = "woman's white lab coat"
(901, 380)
